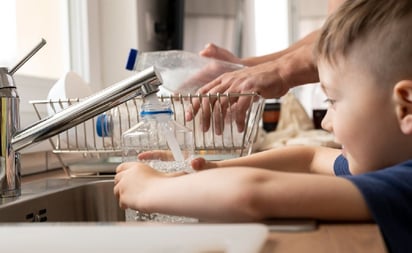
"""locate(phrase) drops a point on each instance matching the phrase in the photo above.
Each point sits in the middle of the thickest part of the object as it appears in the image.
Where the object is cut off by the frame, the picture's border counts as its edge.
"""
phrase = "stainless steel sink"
(88, 200)
(63, 200)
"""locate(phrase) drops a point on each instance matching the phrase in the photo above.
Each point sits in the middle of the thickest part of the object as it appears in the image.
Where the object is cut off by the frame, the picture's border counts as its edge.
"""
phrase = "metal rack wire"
(84, 141)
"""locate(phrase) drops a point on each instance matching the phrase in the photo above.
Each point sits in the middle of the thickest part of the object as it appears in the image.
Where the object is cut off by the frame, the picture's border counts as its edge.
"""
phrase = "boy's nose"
(326, 122)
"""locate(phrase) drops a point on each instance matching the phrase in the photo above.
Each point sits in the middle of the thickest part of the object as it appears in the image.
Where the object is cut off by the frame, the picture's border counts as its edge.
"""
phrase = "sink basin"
(63, 200)
(89, 200)
(93, 208)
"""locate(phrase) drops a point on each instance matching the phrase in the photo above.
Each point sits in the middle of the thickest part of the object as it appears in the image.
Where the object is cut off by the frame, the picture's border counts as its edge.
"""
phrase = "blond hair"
(378, 32)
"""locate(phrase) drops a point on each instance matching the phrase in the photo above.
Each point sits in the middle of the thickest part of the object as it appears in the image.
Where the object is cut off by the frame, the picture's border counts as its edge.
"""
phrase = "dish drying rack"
(99, 156)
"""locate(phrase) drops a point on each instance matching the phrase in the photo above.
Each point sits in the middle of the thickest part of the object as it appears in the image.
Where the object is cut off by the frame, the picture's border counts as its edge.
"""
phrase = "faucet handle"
(6, 76)
(6, 80)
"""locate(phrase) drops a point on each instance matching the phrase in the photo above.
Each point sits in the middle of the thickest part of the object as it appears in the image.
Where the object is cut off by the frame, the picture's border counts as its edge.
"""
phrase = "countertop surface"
(330, 238)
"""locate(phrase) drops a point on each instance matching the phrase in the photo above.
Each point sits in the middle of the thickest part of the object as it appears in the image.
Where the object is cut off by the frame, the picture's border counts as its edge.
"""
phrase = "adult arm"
(270, 75)
(270, 79)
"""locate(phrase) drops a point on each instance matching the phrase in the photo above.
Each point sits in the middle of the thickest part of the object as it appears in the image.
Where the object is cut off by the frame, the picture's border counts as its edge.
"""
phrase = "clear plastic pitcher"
(182, 72)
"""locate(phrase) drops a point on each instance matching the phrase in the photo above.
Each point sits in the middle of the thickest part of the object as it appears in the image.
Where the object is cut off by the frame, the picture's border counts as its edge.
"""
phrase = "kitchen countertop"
(329, 237)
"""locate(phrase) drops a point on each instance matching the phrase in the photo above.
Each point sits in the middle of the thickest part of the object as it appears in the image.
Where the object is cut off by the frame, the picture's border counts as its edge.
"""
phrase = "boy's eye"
(330, 101)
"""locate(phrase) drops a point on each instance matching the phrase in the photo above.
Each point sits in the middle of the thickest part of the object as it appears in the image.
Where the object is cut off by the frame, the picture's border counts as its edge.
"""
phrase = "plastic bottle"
(271, 114)
(112, 124)
(182, 71)
(162, 143)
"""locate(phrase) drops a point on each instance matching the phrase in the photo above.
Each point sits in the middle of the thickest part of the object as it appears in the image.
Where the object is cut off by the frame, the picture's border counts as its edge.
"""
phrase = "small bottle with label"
(271, 114)
(319, 106)
(161, 142)
(112, 124)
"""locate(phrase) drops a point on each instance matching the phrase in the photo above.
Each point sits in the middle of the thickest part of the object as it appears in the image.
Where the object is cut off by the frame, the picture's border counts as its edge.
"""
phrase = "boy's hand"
(162, 155)
(197, 164)
(131, 182)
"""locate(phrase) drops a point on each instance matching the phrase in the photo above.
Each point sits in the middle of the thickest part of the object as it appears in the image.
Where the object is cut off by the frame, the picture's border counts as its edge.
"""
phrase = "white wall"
(43, 19)
(307, 17)
(264, 25)
(211, 21)
(271, 26)
(118, 33)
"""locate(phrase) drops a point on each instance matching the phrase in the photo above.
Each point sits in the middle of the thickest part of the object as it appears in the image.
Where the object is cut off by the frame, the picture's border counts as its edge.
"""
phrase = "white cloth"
(295, 127)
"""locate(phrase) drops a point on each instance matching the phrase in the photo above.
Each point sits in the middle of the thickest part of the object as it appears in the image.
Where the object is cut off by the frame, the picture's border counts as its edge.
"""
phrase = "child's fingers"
(200, 163)
(162, 155)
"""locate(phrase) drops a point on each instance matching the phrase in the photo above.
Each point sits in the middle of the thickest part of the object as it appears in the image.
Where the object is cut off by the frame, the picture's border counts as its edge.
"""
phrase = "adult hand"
(264, 79)
(270, 76)
(209, 72)
(213, 51)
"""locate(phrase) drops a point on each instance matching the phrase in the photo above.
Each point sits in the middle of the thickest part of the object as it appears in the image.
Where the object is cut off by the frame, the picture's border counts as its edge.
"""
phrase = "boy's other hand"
(200, 163)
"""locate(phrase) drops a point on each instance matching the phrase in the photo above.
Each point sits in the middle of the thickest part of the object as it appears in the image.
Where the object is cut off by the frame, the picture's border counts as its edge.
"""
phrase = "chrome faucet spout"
(141, 84)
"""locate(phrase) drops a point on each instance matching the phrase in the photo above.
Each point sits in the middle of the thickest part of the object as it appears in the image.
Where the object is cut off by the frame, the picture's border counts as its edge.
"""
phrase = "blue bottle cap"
(131, 60)
(103, 126)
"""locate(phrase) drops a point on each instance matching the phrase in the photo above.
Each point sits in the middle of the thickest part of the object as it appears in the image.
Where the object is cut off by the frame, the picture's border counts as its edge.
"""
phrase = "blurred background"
(93, 37)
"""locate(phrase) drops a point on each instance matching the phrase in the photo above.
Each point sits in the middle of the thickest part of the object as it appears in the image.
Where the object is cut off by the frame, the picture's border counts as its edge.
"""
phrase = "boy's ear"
(403, 100)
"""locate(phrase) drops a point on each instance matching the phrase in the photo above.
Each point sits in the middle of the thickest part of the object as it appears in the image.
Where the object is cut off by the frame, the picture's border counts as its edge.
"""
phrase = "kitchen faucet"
(12, 139)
